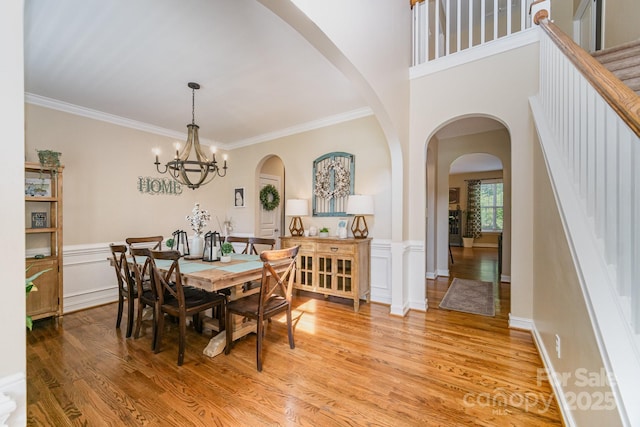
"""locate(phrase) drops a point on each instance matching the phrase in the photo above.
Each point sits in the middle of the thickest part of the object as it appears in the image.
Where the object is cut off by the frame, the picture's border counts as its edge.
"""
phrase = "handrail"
(619, 96)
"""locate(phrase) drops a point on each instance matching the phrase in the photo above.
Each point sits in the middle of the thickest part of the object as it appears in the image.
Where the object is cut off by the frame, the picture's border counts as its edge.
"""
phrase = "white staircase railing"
(444, 27)
(588, 124)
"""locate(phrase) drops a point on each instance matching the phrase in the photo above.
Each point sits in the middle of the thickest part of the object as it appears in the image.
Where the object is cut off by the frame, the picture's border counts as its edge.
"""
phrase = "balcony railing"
(445, 27)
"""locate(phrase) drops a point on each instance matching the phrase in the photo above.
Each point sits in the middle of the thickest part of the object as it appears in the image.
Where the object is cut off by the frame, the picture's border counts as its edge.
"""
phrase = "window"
(491, 205)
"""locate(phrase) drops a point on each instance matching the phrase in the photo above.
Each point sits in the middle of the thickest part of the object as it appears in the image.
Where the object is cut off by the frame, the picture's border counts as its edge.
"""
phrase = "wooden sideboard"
(332, 266)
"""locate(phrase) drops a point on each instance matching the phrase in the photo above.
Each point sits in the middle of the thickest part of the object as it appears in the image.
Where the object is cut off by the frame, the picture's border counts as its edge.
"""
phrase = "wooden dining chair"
(274, 298)
(151, 242)
(179, 301)
(147, 296)
(253, 241)
(126, 285)
(236, 239)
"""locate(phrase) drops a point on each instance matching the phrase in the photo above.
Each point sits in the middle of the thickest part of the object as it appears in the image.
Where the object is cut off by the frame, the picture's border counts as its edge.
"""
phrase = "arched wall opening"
(486, 138)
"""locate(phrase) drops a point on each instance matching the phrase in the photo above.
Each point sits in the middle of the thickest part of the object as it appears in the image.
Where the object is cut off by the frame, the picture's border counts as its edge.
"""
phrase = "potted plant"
(226, 249)
(49, 159)
(324, 232)
(468, 236)
(170, 243)
(31, 287)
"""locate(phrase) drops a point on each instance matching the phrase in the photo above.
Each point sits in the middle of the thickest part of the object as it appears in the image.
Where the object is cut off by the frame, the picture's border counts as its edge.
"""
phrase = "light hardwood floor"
(368, 368)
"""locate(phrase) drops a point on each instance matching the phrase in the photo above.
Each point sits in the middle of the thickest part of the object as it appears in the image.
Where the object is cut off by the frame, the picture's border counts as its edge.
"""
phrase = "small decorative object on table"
(211, 246)
(324, 232)
(227, 248)
(198, 223)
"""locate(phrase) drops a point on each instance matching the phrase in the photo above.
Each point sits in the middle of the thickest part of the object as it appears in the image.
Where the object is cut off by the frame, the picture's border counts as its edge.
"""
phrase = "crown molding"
(145, 127)
(304, 127)
(77, 110)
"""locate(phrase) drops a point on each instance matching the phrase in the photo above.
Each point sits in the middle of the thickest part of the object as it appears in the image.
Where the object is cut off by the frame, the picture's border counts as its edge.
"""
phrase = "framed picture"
(454, 195)
(37, 187)
(38, 220)
(238, 194)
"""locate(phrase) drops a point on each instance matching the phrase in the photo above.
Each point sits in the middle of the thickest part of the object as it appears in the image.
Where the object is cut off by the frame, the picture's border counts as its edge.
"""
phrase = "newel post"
(539, 10)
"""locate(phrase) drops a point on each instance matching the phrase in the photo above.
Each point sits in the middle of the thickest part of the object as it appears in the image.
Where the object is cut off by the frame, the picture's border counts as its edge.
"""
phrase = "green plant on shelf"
(31, 287)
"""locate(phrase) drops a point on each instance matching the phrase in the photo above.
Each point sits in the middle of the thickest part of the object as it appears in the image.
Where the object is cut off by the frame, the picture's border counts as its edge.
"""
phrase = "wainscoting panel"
(89, 279)
(381, 271)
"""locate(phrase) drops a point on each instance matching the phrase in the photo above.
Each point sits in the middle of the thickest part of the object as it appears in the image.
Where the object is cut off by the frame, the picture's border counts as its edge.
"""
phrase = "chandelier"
(193, 173)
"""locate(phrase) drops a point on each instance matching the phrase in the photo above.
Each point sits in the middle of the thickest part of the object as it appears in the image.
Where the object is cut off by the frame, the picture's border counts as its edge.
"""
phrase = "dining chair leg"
(120, 307)
(290, 329)
(157, 314)
(158, 334)
(130, 314)
(259, 335)
(136, 332)
(182, 338)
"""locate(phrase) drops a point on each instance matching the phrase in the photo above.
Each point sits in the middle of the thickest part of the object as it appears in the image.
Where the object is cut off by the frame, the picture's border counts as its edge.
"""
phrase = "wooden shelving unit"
(44, 240)
(330, 266)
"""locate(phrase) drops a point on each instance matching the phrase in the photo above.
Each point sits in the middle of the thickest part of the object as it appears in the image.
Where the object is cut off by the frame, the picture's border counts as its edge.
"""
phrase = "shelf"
(40, 199)
(40, 230)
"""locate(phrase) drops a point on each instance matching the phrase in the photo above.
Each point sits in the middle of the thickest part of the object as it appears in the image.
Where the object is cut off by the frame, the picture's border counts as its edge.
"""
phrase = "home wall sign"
(156, 186)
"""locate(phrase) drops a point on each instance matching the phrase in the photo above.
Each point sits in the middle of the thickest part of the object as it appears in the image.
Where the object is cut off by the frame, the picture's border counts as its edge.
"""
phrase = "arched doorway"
(480, 137)
(269, 224)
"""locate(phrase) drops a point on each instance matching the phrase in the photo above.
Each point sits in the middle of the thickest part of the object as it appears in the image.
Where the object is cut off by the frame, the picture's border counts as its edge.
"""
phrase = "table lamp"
(359, 205)
(296, 208)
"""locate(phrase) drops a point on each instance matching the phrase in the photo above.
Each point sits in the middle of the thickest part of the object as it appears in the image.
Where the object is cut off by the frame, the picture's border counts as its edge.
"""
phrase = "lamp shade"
(297, 207)
(360, 204)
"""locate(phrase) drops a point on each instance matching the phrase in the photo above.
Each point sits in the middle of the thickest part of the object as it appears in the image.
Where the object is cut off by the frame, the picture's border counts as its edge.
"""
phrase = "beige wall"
(559, 306)
(362, 137)
(621, 21)
(103, 161)
(441, 98)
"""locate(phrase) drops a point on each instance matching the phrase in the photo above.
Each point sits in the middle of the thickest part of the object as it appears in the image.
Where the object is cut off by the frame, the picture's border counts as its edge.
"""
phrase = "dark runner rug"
(470, 296)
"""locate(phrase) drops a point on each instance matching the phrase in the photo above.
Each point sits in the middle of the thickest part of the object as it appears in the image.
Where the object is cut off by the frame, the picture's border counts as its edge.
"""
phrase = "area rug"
(470, 296)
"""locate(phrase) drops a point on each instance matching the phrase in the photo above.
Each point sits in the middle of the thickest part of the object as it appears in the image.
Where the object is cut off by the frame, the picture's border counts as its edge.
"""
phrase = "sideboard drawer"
(337, 249)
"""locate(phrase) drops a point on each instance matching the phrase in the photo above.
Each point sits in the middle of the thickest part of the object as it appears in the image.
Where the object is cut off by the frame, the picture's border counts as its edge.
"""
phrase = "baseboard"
(520, 323)
(553, 379)
(13, 400)
(431, 275)
(505, 278)
(90, 298)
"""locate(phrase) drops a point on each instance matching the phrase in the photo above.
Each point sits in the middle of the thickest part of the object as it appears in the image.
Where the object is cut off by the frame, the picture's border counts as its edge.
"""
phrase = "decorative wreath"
(342, 181)
(269, 197)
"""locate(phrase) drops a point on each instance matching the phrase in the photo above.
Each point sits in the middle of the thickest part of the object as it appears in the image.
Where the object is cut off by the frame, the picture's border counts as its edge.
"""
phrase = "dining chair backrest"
(126, 285)
(119, 254)
(253, 241)
(165, 279)
(276, 284)
(236, 239)
(151, 242)
(141, 267)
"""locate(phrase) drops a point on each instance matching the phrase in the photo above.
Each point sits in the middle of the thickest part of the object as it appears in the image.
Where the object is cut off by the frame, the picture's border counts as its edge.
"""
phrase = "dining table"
(215, 276)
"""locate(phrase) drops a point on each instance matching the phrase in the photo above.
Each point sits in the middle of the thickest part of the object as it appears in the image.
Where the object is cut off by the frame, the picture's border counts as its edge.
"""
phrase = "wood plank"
(365, 368)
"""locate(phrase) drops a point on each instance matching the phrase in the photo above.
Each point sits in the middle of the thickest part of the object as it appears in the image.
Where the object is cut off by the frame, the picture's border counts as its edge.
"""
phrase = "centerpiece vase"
(197, 245)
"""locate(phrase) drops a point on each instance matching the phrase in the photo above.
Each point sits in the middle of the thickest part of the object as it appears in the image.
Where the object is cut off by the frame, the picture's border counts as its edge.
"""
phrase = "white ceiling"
(133, 59)
(130, 62)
